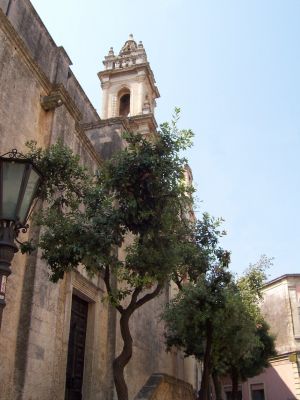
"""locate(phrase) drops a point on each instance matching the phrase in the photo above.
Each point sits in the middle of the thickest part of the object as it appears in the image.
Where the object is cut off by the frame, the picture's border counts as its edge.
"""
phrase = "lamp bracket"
(13, 154)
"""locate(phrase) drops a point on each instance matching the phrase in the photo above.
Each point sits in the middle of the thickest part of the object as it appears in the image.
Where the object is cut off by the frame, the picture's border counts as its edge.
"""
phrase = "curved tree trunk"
(204, 390)
(124, 357)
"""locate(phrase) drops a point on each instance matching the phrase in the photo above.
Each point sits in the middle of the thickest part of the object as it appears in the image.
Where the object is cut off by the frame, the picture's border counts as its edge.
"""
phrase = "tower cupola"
(128, 85)
(130, 54)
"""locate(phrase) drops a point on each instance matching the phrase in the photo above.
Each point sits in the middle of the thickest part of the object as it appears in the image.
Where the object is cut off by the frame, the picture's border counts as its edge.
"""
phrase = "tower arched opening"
(124, 103)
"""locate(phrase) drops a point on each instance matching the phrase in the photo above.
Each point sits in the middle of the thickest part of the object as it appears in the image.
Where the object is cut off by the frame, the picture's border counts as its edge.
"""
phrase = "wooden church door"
(76, 349)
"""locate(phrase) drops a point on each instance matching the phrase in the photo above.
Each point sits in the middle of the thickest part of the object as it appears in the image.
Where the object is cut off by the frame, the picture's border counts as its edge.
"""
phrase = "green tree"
(217, 319)
(234, 339)
(261, 353)
(250, 284)
(203, 253)
(243, 343)
(190, 316)
(139, 194)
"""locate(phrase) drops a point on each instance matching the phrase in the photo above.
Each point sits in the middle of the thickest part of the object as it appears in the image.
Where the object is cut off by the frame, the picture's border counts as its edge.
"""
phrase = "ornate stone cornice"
(107, 74)
(128, 124)
(85, 287)
(107, 122)
(144, 118)
(134, 68)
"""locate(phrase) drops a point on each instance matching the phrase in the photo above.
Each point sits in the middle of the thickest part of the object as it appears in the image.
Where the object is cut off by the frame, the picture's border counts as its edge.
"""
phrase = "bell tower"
(129, 88)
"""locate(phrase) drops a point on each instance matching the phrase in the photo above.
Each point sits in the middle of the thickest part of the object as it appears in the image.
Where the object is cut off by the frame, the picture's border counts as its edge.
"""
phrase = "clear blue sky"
(233, 67)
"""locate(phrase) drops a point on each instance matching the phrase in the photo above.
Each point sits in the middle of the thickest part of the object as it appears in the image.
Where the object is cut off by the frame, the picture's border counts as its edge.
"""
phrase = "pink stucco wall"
(280, 381)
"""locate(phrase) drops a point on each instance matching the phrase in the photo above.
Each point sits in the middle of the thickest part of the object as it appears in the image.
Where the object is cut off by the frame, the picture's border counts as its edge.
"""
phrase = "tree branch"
(178, 281)
(134, 297)
(107, 279)
(149, 296)
(108, 287)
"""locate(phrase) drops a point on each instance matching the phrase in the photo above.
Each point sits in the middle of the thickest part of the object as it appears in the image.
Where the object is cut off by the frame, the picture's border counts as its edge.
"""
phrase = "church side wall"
(21, 119)
(35, 327)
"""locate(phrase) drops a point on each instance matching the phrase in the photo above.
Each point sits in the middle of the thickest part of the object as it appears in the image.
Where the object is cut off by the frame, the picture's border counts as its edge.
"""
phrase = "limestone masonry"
(41, 99)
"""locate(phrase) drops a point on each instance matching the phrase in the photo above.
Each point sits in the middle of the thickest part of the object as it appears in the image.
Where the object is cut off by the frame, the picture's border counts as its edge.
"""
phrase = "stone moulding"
(88, 289)
(135, 68)
(147, 118)
(107, 122)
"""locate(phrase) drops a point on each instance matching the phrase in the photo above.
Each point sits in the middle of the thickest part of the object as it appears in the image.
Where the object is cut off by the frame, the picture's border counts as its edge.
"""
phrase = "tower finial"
(130, 46)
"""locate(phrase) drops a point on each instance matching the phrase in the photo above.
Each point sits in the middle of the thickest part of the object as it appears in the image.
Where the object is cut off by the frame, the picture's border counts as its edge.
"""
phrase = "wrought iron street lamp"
(19, 182)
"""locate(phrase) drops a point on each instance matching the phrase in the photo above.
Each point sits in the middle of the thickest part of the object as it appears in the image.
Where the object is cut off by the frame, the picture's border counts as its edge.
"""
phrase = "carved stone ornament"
(51, 102)
(129, 46)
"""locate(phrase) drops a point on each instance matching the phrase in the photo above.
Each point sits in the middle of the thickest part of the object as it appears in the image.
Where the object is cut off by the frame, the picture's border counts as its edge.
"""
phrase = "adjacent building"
(281, 309)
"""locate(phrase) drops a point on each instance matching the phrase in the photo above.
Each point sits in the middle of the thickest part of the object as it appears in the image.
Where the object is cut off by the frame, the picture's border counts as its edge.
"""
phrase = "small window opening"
(125, 105)
(257, 391)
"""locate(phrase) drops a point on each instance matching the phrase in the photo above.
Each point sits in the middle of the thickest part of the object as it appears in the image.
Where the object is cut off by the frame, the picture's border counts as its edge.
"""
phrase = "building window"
(257, 391)
(229, 395)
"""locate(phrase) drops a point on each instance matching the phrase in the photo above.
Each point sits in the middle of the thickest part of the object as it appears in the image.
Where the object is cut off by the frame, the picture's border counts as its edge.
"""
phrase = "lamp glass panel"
(12, 180)
(30, 190)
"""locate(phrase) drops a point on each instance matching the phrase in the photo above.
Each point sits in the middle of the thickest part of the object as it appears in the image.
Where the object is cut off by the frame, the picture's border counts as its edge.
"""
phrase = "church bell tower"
(129, 88)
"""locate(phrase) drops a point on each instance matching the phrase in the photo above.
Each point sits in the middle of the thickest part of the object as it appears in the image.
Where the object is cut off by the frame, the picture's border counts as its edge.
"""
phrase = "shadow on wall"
(275, 383)
(280, 382)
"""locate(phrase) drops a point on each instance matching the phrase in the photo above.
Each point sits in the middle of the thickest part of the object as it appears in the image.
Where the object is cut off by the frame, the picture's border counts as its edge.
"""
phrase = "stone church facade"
(49, 331)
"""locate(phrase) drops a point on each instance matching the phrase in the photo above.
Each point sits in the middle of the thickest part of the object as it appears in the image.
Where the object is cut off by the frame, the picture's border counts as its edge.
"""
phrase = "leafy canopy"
(201, 280)
(139, 194)
(241, 341)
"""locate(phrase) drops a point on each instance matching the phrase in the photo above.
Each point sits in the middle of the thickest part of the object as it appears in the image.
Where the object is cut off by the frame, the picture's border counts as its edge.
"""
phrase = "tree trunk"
(217, 386)
(124, 357)
(204, 390)
(235, 383)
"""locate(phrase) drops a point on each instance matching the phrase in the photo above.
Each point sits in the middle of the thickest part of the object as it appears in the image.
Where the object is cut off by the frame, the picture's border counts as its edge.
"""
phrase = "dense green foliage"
(203, 255)
(78, 217)
(191, 315)
(251, 282)
(140, 191)
(217, 319)
(138, 202)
